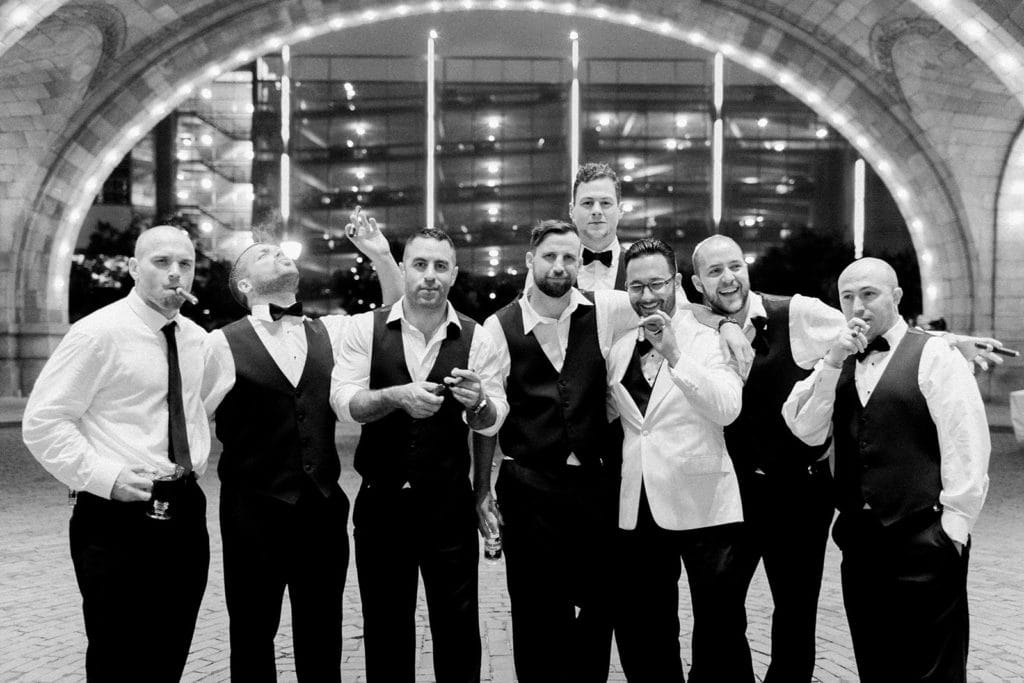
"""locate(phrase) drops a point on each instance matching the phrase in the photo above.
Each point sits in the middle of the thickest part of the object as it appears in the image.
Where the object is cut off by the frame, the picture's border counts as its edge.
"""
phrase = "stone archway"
(147, 79)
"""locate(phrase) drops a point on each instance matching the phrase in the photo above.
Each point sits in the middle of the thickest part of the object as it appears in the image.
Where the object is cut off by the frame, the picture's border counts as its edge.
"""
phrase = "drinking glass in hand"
(163, 492)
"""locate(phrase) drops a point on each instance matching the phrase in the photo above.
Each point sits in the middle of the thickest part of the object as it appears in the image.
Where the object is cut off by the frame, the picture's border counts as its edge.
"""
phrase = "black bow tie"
(278, 312)
(879, 343)
(604, 257)
(760, 341)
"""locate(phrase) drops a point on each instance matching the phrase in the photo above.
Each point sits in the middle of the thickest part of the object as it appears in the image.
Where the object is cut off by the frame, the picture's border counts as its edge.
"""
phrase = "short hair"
(429, 234)
(649, 247)
(696, 258)
(236, 275)
(550, 227)
(595, 171)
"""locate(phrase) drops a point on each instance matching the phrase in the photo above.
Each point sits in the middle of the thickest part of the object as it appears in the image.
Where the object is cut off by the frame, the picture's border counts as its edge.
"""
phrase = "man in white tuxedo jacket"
(679, 501)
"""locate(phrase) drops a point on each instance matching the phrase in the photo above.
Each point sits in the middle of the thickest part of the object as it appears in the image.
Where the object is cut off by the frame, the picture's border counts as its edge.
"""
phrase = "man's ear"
(244, 286)
(133, 268)
(455, 274)
(897, 295)
(697, 284)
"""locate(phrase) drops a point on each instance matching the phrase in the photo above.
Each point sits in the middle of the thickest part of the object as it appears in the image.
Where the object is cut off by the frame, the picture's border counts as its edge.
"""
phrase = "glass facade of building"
(357, 137)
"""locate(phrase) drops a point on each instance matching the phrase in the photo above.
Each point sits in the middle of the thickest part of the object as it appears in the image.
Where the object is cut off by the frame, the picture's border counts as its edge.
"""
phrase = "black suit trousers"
(905, 592)
(270, 544)
(786, 521)
(399, 534)
(647, 614)
(142, 581)
(557, 534)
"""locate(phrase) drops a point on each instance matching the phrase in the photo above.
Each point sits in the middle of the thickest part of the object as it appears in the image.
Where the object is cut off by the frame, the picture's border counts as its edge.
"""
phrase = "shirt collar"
(894, 335)
(397, 312)
(261, 312)
(152, 319)
(531, 318)
(755, 308)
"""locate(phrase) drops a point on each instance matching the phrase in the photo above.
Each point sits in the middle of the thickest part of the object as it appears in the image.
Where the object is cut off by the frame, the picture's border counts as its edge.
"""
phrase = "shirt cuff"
(341, 402)
(104, 474)
(956, 526)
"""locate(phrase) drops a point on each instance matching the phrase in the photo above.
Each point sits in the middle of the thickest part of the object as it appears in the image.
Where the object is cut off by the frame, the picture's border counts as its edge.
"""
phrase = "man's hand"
(736, 345)
(419, 399)
(133, 484)
(657, 329)
(982, 358)
(850, 341)
(465, 386)
(488, 516)
(368, 238)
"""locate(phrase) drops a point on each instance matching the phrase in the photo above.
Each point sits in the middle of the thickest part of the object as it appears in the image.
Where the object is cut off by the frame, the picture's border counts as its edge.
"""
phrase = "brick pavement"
(42, 639)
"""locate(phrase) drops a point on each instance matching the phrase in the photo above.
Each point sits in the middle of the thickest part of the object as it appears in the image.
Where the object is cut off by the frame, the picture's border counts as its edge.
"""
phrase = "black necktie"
(177, 432)
(604, 257)
(760, 341)
(877, 344)
(278, 312)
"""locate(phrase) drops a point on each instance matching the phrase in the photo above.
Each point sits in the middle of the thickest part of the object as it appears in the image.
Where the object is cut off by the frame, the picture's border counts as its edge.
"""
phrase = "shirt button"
(646, 433)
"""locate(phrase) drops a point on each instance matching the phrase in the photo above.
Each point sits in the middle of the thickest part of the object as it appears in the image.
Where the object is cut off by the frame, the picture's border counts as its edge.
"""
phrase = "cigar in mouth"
(188, 297)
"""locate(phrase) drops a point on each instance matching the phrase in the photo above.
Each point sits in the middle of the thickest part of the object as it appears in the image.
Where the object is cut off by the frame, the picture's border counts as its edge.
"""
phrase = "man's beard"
(554, 289)
(285, 283)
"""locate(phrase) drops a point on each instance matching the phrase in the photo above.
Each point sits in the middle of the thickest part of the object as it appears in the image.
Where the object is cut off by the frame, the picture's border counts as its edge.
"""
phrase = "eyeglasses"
(656, 286)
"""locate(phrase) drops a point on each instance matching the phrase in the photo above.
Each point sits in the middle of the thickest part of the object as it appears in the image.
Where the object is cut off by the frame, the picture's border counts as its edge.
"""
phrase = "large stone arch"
(193, 41)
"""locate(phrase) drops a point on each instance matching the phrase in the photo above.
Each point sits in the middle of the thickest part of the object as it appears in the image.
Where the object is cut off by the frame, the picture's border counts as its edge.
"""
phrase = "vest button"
(300, 416)
(308, 467)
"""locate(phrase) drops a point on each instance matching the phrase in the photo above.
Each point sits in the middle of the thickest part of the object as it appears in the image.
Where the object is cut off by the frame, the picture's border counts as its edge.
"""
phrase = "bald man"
(912, 449)
(117, 404)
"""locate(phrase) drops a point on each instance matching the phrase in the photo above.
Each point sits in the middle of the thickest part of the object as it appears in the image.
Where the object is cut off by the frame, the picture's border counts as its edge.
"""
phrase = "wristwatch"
(480, 407)
(728, 319)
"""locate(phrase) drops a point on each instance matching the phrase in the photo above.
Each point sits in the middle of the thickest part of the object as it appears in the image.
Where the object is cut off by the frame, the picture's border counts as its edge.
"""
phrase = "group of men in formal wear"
(638, 434)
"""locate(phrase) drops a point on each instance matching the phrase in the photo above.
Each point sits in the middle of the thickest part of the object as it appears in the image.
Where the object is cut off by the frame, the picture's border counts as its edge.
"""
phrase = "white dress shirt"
(100, 403)
(595, 275)
(955, 405)
(813, 326)
(675, 450)
(285, 341)
(352, 370)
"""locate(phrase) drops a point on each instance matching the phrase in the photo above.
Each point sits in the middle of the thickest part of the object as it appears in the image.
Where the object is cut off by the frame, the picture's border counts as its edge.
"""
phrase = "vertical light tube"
(858, 208)
(718, 89)
(718, 83)
(431, 130)
(574, 111)
(286, 125)
(716, 174)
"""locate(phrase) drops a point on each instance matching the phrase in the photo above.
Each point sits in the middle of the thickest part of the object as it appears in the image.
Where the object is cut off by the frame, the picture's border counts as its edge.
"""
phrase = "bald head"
(874, 269)
(869, 290)
(715, 242)
(164, 262)
(160, 236)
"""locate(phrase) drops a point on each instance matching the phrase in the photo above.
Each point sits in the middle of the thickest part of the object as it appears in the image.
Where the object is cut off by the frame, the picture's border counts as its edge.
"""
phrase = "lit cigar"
(188, 297)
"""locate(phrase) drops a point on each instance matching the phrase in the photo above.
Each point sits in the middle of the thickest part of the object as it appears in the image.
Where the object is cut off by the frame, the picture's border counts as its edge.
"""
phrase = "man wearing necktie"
(679, 502)
(595, 210)
(117, 404)
(284, 519)
(912, 449)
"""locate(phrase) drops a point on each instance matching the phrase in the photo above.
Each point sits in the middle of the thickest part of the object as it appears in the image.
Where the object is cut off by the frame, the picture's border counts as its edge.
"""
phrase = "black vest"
(397, 448)
(278, 439)
(553, 414)
(759, 437)
(887, 453)
(620, 274)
